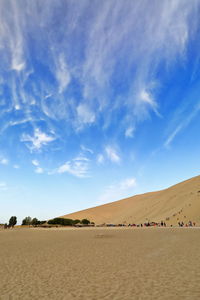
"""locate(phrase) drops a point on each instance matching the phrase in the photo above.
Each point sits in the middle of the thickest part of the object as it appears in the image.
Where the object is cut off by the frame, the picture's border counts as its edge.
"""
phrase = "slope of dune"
(180, 202)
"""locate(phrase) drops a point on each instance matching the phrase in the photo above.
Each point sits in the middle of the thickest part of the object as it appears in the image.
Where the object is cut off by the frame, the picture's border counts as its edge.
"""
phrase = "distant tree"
(34, 222)
(67, 222)
(41, 222)
(85, 222)
(12, 221)
(61, 221)
(27, 221)
(76, 221)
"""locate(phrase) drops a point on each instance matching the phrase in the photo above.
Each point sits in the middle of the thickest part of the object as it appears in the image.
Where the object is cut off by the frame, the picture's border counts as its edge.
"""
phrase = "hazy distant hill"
(180, 202)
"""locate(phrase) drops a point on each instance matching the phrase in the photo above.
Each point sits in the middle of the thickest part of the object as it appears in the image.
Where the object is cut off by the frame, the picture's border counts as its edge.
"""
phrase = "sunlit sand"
(97, 263)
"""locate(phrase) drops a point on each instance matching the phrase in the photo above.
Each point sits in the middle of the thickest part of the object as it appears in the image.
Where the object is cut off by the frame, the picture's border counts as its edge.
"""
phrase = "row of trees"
(68, 222)
(26, 221)
(55, 221)
(30, 221)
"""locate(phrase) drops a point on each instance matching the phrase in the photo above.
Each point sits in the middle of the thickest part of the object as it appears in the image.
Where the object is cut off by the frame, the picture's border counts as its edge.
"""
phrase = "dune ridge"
(180, 202)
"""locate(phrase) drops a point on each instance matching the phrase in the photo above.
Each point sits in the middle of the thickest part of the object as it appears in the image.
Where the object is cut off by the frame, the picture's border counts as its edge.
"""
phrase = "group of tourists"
(148, 224)
(189, 224)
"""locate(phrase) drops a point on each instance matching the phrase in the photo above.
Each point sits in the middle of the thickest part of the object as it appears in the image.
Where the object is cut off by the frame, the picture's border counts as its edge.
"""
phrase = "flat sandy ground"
(114, 264)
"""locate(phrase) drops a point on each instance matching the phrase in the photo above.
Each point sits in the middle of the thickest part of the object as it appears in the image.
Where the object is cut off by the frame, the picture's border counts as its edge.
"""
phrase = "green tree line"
(56, 221)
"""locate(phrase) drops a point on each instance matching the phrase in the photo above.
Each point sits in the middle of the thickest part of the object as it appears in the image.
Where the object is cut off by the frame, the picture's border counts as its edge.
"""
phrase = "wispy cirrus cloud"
(119, 190)
(38, 139)
(4, 161)
(78, 167)
(129, 132)
(38, 168)
(62, 73)
(16, 166)
(112, 154)
(86, 149)
(92, 62)
(76, 82)
(100, 158)
(181, 121)
(18, 62)
(85, 115)
(35, 162)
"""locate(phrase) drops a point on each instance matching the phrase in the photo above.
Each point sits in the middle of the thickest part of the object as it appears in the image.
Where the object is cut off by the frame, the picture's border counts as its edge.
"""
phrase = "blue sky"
(99, 100)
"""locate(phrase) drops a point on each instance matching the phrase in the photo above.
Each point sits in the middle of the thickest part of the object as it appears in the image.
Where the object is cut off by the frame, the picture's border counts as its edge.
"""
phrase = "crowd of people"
(154, 224)
(189, 224)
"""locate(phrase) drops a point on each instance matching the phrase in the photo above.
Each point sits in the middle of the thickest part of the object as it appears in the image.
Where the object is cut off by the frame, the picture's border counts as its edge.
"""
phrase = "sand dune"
(96, 263)
(180, 202)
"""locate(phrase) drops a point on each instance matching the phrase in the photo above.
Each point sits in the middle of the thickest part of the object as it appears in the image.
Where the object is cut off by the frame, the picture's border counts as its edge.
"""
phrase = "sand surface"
(179, 203)
(96, 263)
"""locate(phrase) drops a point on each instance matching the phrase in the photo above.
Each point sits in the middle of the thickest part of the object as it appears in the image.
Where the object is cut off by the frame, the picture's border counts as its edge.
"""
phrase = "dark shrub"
(34, 222)
(76, 221)
(61, 221)
(85, 222)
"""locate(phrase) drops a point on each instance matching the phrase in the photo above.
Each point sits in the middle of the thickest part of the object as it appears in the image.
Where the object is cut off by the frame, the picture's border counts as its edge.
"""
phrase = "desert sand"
(100, 263)
(179, 203)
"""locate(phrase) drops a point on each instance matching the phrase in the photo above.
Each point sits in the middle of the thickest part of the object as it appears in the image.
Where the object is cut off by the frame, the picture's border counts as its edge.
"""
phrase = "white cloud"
(112, 154)
(16, 166)
(18, 62)
(19, 122)
(100, 158)
(127, 183)
(81, 158)
(142, 43)
(184, 121)
(121, 41)
(86, 149)
(147, 97)
(38, 140)
(85, 114)
(129, 132)
(16, 40)
(172, 136)
(62, 74)
(78, 167)
(17, 107)
(4, 161)
(39, 170)
(35, 162)
(118, 191)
